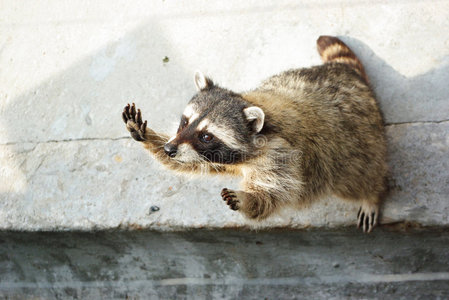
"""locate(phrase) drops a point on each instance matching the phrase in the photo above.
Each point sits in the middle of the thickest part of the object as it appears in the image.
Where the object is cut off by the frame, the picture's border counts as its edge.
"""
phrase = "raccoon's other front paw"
(231, 199)
(133, 121)
(367, 216)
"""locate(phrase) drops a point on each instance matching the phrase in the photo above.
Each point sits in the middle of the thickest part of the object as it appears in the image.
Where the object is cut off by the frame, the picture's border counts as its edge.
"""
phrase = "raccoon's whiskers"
(208, 162)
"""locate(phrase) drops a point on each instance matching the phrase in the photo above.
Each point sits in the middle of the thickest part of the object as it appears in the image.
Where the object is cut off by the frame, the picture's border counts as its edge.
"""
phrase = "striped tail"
(332, 49)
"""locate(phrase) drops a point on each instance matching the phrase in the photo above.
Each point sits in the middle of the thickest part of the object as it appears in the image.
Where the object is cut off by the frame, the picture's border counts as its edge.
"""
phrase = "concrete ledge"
(99, 184)
(66, 161)
(205, 264)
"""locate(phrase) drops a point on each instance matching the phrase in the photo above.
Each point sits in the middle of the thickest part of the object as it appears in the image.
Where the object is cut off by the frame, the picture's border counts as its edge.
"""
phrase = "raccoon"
(300, 135)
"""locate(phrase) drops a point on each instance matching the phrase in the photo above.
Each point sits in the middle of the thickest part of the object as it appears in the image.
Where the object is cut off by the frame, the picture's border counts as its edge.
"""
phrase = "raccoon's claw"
(367, 217)
(231, 199)
(133, 121)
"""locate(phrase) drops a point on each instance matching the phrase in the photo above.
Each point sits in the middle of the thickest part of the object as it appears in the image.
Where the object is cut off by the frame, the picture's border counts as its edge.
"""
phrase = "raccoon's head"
(217, 126)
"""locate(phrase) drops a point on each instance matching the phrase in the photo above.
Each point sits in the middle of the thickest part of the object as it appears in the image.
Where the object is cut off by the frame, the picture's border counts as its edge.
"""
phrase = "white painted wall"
(67, 68)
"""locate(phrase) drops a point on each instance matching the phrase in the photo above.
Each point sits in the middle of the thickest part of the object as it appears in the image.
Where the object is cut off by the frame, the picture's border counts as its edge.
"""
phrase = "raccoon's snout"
(170, 150)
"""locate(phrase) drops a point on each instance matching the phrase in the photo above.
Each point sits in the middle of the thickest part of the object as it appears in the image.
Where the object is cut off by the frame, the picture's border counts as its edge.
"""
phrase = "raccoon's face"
(217, 126)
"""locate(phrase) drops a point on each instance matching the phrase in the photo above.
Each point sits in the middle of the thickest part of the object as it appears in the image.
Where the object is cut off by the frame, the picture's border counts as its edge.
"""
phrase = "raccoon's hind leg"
(368, 215)
(253, 205)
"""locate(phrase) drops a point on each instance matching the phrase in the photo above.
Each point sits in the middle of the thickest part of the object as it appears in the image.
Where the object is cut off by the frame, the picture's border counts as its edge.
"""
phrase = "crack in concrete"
(66, 141)
(128, 137)
(416, 122)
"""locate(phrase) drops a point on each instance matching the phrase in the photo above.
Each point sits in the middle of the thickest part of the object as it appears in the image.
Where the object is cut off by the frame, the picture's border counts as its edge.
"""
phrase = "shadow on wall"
(416, 111)
(85, 102)
(423, 98)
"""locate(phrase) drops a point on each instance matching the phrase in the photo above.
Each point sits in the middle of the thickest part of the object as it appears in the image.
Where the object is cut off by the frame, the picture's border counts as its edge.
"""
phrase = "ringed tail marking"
(332, 49)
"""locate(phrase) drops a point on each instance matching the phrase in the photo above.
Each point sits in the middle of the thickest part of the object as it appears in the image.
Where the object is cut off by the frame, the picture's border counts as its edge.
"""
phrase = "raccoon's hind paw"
(367, 216)
(231, 199)
(133, 121)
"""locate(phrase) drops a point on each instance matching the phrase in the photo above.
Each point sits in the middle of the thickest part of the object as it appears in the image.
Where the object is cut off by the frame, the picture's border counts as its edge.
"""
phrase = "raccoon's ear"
(255, 115)
(202, 82)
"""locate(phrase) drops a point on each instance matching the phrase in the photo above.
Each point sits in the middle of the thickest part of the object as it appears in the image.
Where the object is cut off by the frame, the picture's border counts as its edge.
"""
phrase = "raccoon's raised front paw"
(367, 216)
(231, 198)
(133, 121)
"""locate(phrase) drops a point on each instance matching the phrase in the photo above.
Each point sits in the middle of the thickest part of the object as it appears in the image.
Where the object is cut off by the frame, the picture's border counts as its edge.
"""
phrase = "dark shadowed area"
(204, 264)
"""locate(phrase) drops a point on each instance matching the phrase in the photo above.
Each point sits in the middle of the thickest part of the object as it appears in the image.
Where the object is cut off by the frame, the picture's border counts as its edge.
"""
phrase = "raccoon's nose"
(170, 150)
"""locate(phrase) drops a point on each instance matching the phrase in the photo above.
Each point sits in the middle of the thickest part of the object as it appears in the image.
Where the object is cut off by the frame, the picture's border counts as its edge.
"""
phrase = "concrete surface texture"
(68, 68)
(205, 264)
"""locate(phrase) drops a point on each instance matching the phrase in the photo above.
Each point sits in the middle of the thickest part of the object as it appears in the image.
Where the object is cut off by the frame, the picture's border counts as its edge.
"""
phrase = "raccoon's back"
(330, 95)
(330, 114)
(304, 82)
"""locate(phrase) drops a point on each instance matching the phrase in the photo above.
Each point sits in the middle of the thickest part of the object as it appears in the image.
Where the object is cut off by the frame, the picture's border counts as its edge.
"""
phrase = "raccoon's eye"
(184, 123)
(205, 137)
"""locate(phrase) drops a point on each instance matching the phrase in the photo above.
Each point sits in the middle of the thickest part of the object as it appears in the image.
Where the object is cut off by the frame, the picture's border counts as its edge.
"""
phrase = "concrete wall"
(221, 264)
(68, 68)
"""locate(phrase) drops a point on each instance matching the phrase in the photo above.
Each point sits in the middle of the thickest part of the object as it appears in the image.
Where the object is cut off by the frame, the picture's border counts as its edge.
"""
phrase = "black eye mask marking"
(206, 143)
(216, 151)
